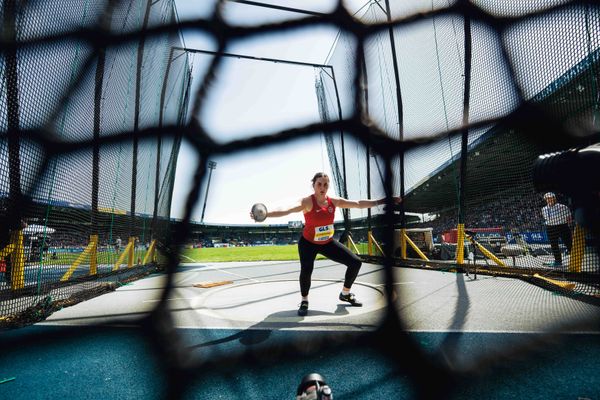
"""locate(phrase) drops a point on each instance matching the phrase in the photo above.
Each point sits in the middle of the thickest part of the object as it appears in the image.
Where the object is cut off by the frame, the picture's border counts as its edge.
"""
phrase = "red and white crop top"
(318, 226)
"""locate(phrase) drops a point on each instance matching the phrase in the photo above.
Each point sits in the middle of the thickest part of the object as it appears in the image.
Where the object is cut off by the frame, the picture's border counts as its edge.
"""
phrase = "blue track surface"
(507, 333)
(119, 363)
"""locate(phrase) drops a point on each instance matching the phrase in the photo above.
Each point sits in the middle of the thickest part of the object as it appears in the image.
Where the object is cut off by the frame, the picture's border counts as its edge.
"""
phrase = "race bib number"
(323, 233)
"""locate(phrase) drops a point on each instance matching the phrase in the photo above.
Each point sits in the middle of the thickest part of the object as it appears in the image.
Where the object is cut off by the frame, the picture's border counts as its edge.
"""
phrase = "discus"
(259, 211)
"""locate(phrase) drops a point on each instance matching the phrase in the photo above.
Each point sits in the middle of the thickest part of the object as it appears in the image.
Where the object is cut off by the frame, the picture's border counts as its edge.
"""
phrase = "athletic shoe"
(303, 310)
(350, 299)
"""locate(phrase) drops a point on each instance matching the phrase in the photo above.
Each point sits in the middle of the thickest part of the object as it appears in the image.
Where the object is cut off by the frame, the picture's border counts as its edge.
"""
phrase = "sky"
(254, 97)
(257, 97)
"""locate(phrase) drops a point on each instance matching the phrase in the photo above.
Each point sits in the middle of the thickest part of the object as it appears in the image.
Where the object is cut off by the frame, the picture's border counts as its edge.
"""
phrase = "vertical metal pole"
(9, 31)
(345, 212)
(400, 131)
(368, 154)
(136, 118)
(98, 85)
(464, 143)
(15, 202)
(182, 115)
(400, 109)
(96, 159)
(368, 147)
(161, 113)
(211, 165)
(96, 149)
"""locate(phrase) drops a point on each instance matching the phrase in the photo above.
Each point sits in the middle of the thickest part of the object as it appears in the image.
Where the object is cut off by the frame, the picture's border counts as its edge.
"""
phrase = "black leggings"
(333, 250)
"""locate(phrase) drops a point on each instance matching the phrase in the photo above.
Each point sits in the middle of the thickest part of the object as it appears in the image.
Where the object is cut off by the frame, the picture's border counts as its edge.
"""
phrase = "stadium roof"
(501, 159)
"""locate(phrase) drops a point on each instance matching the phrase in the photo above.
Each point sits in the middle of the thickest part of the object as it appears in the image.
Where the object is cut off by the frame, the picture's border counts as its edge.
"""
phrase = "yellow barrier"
(487, 253)
(128, 252)
(91, 251)
(403, 243)
(18, 261)
(372, 240)
(150, 253)
(460, 244)
(351, 245)
(577, 250)
(415, 248)
(8, 250)
(563, 285)
(94, 255)
(131, 246)
(16, 251)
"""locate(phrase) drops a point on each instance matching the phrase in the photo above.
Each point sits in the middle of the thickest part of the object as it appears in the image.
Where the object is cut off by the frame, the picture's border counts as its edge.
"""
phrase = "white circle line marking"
(234, 274)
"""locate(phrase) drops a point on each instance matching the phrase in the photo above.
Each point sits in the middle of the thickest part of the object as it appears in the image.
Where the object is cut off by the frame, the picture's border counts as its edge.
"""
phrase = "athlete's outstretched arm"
(345, 203)
(305, 204)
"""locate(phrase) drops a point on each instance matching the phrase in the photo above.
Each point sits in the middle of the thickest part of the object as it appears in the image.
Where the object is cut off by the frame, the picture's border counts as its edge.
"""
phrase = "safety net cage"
(471, 111)
(85, 184)
(496, 114)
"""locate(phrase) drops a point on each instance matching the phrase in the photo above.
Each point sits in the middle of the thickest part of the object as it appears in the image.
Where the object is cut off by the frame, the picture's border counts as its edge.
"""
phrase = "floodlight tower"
(211, 165)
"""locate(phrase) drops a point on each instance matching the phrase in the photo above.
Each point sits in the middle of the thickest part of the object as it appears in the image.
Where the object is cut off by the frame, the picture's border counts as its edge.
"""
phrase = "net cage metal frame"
(180, 371)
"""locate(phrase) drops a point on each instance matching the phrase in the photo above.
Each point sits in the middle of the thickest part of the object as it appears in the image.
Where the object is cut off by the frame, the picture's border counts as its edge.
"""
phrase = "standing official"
(557, 218)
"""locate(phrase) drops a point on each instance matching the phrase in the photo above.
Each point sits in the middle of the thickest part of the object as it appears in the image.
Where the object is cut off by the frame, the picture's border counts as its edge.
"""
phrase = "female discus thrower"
(317, 236)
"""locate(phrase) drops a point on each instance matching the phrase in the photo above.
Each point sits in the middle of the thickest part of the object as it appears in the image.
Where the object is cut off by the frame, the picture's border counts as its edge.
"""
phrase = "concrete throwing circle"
(278, 301)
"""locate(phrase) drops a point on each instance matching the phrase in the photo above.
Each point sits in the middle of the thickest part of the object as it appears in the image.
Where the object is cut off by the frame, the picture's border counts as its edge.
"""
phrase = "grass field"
(254, 253)
(207, 254)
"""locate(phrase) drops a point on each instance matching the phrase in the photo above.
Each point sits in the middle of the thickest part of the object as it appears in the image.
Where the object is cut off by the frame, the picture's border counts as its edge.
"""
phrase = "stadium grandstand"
(571, 96)
(207, 235)
(514, 205)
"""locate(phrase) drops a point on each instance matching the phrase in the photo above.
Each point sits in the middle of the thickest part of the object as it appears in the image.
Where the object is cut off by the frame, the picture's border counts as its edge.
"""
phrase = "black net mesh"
(450, 104)
(85, 198)
(527, 87)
